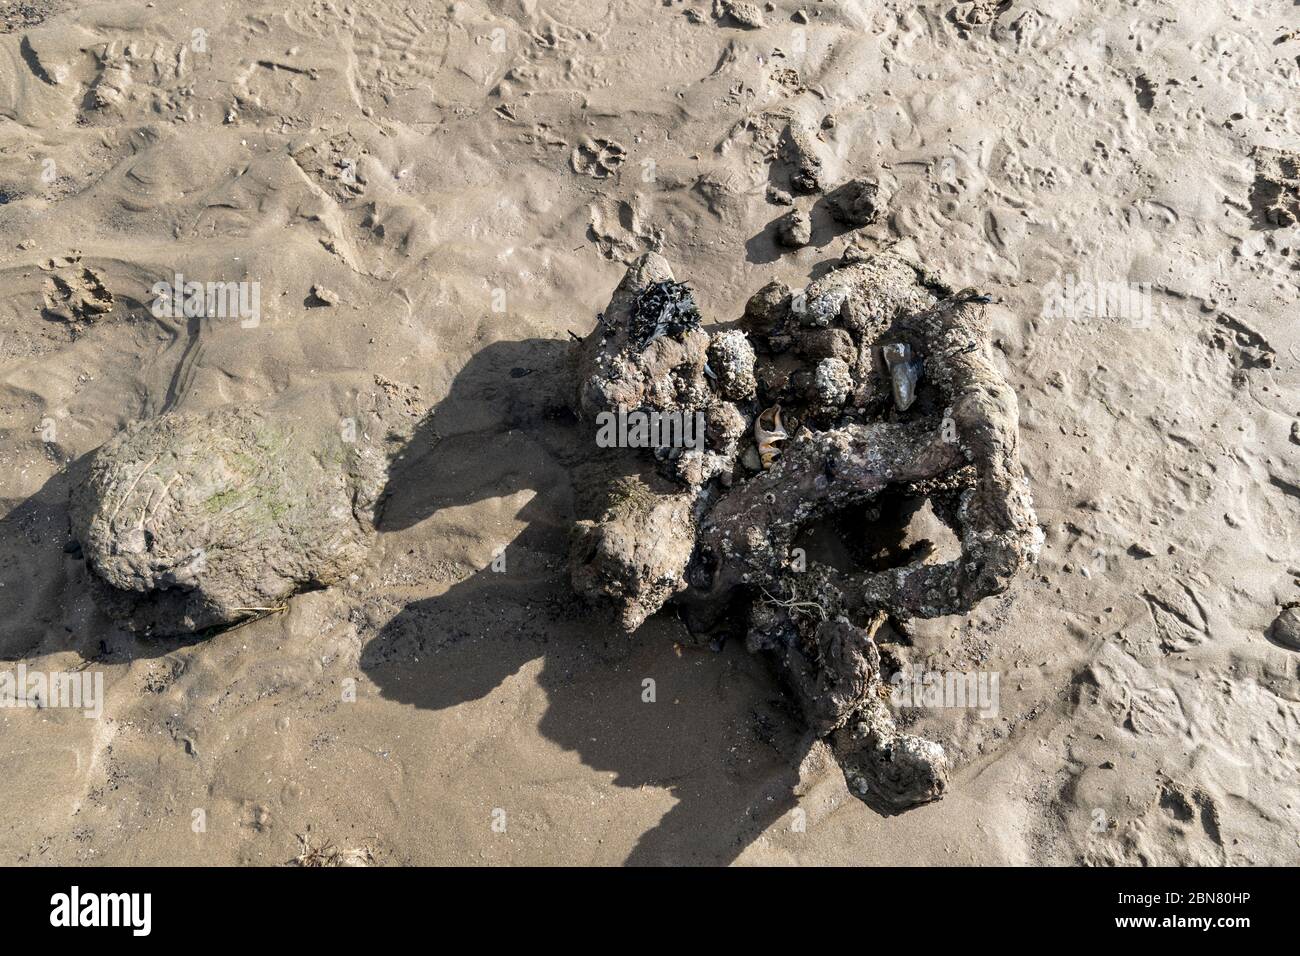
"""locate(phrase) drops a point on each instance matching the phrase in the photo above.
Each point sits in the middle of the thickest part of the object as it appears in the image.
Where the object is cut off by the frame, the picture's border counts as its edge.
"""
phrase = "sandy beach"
(413, 208)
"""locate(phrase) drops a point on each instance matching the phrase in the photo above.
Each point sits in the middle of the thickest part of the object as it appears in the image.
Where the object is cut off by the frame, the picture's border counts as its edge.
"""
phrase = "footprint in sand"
(597, 158)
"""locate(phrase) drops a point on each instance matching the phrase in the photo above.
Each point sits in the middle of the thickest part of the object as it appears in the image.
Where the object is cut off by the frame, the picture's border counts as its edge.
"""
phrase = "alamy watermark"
(965, 690)
(1081, 297)
(652, 429)
(83, 690)
(214, 300)
(133, 911)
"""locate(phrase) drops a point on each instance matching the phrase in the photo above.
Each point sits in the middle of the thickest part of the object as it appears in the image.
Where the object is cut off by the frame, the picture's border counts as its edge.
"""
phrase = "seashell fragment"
(903, 373)
(768, 430)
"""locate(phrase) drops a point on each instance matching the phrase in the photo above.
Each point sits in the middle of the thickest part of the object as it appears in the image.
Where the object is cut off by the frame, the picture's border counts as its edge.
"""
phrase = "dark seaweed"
(663, 308)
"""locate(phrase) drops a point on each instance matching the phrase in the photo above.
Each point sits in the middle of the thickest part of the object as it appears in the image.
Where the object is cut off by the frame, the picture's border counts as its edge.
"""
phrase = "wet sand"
(465, 181)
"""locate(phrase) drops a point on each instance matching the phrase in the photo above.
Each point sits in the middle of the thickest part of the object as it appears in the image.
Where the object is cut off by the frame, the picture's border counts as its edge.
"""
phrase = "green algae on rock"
(195, 522)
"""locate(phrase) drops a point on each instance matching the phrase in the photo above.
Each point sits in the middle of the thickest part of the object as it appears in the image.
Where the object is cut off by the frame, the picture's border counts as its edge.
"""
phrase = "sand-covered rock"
(743, 13)
(632, 556)
(649, 355)
(197, 522)
(643, 355)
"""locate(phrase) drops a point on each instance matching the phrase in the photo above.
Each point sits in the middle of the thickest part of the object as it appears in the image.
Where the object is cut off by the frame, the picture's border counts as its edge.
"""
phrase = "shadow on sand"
(49, 599)
(718, 736)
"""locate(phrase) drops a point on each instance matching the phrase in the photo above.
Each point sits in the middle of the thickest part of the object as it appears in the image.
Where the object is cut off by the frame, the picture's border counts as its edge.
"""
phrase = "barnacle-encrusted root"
(1000, 535)
(715, 534)
(631, 555)
(889, 771)
(637, 507)
(746, 539)
(832, 667)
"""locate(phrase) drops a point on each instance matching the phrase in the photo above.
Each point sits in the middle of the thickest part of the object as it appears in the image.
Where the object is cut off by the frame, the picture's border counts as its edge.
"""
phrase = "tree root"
(714, 530)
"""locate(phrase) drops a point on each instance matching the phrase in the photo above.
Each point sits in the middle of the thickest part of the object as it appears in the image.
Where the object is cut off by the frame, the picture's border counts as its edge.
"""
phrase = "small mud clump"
(856, 203)
(802, 156)
(1285, 629)
(969, 14)
(794, 229)
(744, 14)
